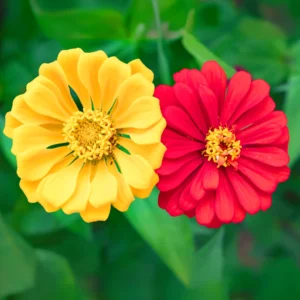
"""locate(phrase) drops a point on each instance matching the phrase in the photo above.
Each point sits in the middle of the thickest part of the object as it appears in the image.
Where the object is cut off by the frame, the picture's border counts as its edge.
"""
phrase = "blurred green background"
(144, 254)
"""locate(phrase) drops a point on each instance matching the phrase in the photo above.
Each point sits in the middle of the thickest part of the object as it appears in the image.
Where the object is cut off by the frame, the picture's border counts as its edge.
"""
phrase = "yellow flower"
(85, 160)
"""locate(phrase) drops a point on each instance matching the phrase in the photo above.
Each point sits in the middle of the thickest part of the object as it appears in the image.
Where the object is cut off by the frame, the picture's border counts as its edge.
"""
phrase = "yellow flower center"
(222, 147)
(91, 135)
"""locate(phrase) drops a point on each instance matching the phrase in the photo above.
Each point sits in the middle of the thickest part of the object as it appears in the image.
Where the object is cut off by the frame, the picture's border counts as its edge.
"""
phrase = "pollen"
(222, 147)
(91, 135)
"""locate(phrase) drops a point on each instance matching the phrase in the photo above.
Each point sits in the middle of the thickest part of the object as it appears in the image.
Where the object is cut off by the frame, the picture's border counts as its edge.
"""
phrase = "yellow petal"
(79, 199)
(92, 214)
(138, 67)
(104, 186)
(152, 153)
(11, 123)
(57, 79)
(43, 101)
(143, 112)
(29, 188)
(135, 169)
(28, 116)
(131, 89)
(88, 68)
(124, 195)
(68, 60)
(57, 188)
(35, 163)
(150, 135)
(31, 136)
(145, 193)
(111, 75)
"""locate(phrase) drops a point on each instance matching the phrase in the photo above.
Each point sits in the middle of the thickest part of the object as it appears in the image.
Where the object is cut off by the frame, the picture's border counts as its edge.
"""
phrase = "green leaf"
(73, 25)
(82, 254)
(6, 144)
(272, 232)
(54, 279)
(279, 280)
(37, 221)
(258, 46)
(202, 54)
(291, 104)
(171, 238)
(17, 261)
(206, 278)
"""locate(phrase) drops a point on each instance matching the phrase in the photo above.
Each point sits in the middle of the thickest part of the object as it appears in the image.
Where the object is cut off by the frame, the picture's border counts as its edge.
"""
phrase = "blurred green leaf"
(258, 46)
(206, 278)
(279, 280)
(70, 26)
(172, 12)
(17, 262)
(83, 255)
(202, 54)
(54, 279)
(291, 104)
(272, 230)
(171, 238)
(6, 144)
(37, 221)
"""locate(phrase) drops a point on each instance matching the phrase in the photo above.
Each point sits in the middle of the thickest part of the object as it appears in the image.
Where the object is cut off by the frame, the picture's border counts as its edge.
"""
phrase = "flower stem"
(162, 59)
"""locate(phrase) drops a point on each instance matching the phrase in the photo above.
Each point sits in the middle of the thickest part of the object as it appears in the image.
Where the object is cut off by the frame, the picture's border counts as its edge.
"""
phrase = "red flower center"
(222, 147)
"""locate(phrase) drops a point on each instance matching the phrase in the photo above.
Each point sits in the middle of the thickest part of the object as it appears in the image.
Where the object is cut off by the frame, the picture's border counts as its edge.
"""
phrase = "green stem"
(162, 59)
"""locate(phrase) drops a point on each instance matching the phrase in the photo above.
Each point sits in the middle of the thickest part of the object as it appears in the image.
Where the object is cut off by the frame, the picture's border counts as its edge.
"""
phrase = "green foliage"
(17, 261)
(144, 254)
(170, 237)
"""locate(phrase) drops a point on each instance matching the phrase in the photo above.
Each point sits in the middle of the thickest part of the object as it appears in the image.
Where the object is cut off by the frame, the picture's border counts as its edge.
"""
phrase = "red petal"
(210, 103)
(239, 213)
(205, 211)
(179, 120)
(256, 113)
(169, 182)
(272, 156)
(216, 79)
(259, 134)
(266, 201)
(173, 205)
(191, 104)
(215, 223)
(170, 166)
(246, 194)
(257, 175)
(181, 76)
(163, 199)
(190, 213)
(225, 196)
(169, 134)
(186, 201)
(197, 190)
(285, 136)
(196, 80)
(277, 117)
(211, 175)
(166, 96)
(176, 149)
(238, 88)
(259, 90)
(282, 174)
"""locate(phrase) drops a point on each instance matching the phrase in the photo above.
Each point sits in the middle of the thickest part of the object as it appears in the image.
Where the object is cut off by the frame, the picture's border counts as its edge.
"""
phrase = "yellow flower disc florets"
(222, 147)
(91, 135)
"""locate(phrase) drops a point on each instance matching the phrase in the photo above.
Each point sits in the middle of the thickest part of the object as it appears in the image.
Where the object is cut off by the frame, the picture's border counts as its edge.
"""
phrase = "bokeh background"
(144, 254)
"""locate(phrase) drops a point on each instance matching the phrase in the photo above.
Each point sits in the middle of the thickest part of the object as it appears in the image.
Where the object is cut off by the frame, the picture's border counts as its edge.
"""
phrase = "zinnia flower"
(226, 146)
(99, 152)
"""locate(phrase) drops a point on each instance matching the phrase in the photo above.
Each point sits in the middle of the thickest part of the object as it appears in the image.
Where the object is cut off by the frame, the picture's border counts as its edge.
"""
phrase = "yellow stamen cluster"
(222, 147)
(90, 134)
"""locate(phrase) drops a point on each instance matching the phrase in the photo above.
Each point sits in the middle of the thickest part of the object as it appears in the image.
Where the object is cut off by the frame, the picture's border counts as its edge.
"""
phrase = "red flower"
(226, 146)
